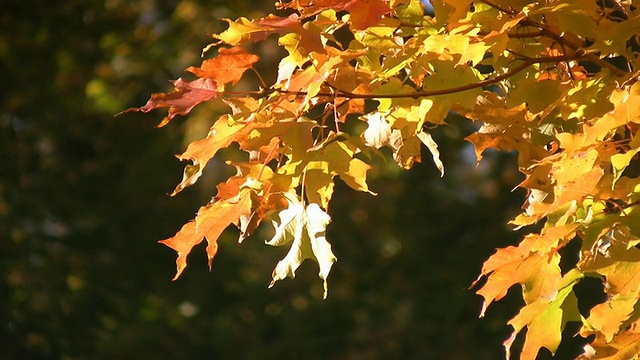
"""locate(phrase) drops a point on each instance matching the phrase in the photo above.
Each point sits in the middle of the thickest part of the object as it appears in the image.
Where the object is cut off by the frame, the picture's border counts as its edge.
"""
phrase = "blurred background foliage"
(83, 200)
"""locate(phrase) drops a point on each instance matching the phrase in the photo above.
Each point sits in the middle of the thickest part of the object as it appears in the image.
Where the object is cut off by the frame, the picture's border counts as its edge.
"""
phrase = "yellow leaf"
(545, 319)
(621, 268)
(538, 273)
(607, 317)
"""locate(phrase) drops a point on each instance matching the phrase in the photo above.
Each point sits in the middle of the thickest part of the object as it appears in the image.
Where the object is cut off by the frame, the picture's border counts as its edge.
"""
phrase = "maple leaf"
(186, 96)
(247, 175)
(406, 149)
(428, 141)
(245, 30)
(621, 268)
(222, 134)
(252, 135)
(538, 273)
(209, 223)
(303, 227)
(265, 204)
(607, 318)
(378, 132)
(545, 319)
(364, 13)
(624, 346)
(227, 67)
(334, 156)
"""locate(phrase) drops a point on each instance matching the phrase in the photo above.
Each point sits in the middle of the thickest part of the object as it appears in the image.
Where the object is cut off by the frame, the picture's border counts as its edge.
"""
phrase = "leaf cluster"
(554, 81)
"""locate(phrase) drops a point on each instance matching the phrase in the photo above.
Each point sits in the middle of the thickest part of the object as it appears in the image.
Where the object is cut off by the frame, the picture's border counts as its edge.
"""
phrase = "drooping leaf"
(303, 227)
(545, 319)
(428, 141)
(199, 152)
(210, 222)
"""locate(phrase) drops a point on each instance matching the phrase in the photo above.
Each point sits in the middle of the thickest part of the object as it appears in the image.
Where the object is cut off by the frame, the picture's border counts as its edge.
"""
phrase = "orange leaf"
(545, 319)
(221, 135)
(624, 346)
(366, 13)
(227, 67)
(607, 318)
(537, 273)
(182, 242)
(243, 30)
(210, 223)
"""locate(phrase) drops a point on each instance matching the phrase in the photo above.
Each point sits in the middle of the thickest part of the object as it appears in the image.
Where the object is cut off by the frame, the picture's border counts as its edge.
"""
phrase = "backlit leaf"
(227, 67)
(304, 228)
(210, 222)
(545, 319)
(184, 98)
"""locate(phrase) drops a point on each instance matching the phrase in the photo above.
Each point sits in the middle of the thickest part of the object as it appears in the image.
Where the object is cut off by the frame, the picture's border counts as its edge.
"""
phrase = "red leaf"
(180, 102)
(364, 13)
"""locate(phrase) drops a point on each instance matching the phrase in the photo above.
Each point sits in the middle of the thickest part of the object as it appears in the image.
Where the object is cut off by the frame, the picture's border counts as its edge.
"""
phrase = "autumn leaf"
(428, 141)
(624, 346)
(545, 319)
(607, 318)
(378, 132)
(263, 205)
(406, 150)
(303, 227)
(199, 152)
(245, 30)
(621, 269)
(227, 67)
(538, 273)
(209, 223)
(184, 98)
(366, 13)
(247, 175)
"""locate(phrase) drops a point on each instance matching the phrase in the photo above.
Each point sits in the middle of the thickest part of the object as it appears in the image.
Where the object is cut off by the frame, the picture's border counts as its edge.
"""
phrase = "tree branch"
(500, 8)
(347, 94)
(567, 39)
(531, 34)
